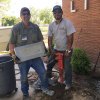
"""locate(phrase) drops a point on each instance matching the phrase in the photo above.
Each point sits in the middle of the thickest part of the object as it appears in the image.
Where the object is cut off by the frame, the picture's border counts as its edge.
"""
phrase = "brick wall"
(87, 24)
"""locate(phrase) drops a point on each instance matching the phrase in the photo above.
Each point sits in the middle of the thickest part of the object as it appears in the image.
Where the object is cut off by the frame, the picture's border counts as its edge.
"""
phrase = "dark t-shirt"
(22, 36)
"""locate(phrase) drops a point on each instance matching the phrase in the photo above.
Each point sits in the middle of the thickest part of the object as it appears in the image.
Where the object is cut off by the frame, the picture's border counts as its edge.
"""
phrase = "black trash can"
(7, 75)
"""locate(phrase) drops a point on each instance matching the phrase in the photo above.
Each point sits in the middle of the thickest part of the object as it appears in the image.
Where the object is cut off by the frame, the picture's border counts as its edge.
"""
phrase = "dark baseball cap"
(24, 9)
(57, 7)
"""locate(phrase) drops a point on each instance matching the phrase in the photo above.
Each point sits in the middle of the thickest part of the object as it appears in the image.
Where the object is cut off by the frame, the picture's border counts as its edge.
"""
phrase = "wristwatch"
(68, 51)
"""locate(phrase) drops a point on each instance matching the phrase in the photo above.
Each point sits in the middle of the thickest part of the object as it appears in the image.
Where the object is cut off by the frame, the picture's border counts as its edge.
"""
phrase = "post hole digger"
(57, 58)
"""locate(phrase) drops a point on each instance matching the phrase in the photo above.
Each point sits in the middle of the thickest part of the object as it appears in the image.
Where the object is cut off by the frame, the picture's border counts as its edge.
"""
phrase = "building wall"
(87, 24)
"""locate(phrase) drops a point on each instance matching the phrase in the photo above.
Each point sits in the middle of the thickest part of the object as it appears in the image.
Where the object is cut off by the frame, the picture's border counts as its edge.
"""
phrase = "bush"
(45, 16)
(80, 62)
(9, 20)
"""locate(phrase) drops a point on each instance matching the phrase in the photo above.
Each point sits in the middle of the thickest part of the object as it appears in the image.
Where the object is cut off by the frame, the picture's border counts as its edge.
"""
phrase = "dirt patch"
(83, 88)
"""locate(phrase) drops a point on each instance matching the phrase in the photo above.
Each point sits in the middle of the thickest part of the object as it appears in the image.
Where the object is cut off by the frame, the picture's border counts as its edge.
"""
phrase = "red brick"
(87, 24)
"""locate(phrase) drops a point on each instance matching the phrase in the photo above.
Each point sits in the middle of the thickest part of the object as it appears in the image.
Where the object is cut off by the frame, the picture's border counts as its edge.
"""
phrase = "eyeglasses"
(57, 12)
(25, 14)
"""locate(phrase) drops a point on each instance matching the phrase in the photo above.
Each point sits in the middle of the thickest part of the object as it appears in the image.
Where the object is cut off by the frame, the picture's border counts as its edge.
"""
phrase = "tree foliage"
(4, 5)
(9, 20)
(45, 16)
(35, 15)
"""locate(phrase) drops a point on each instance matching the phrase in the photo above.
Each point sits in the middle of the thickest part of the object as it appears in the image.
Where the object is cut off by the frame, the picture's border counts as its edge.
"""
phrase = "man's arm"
(11, 48)
(50, 48)
(12, 52)
(69, 44)
(70, 34)
(12, 40)
(70, 41)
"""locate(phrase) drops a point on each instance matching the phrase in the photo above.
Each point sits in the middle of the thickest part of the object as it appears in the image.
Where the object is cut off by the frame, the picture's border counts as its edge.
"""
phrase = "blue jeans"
(68, 70)
(38, 66)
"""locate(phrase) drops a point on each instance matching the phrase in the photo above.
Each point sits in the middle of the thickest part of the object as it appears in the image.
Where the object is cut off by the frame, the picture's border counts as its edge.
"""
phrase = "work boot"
(67, 87)
(37, 85)
(48, 92)
(26, 97)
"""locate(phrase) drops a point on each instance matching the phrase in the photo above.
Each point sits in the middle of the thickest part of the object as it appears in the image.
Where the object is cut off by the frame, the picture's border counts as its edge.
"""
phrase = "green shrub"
(9, 20)
(80, 61)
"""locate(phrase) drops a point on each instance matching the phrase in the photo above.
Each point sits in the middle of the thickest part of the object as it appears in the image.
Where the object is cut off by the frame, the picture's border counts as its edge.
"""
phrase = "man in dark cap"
(60, 34)
(22, 34)
(57, 7)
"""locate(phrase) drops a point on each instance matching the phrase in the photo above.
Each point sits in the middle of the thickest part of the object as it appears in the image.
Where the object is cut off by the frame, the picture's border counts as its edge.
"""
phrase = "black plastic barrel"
(7, 75)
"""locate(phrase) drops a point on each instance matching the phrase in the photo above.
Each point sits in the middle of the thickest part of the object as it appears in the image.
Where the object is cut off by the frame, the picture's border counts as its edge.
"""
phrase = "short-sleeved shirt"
(22, 36)
(60, 32)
